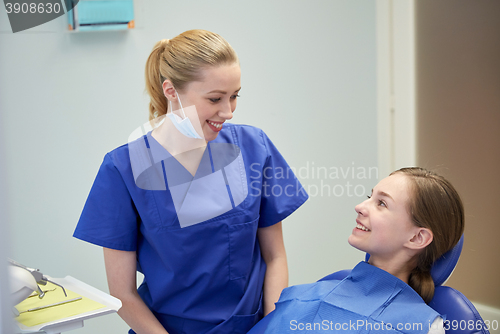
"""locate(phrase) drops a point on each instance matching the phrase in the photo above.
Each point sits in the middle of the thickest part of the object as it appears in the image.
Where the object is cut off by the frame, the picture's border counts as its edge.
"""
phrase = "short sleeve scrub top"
(195, 236)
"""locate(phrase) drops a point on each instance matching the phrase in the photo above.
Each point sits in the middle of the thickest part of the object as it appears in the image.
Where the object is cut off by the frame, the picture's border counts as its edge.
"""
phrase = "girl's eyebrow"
(383, 193)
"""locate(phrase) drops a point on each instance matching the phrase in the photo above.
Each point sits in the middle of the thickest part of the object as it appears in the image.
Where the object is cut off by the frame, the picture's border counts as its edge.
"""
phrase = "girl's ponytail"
(421, 281)
(436, 205)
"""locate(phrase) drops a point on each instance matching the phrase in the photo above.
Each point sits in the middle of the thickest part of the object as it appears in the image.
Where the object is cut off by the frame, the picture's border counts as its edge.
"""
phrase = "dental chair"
(451, 303)
(461, 317)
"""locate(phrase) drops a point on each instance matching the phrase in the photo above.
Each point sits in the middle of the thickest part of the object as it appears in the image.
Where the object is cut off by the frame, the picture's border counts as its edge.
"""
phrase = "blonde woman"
(196, 204)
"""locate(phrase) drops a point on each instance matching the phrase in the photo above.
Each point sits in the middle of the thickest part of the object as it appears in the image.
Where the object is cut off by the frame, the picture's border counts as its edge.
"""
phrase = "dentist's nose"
(226, 112)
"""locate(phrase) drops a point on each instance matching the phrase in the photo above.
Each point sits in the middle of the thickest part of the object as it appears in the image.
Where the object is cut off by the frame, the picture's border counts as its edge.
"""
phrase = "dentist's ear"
(421, 239)
(169, 90)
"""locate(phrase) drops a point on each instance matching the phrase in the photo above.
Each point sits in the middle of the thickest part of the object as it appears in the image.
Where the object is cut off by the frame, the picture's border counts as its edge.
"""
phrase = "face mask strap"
(179, 99)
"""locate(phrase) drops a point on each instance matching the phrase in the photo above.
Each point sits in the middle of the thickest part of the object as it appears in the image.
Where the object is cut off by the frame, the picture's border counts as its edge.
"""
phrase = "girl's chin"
(354, 243)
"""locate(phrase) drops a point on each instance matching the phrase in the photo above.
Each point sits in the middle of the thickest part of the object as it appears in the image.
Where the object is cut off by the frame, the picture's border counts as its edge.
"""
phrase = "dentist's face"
(214, 97)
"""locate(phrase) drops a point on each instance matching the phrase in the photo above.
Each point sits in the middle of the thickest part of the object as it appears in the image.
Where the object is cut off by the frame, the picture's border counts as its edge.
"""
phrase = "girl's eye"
(380, 202)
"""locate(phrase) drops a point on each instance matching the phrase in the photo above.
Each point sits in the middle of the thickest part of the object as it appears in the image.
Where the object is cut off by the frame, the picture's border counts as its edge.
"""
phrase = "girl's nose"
(361, 208)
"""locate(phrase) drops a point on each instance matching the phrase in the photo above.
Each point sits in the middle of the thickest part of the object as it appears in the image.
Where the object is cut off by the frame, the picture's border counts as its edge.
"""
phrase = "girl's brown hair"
(180, 60)
(434, 204)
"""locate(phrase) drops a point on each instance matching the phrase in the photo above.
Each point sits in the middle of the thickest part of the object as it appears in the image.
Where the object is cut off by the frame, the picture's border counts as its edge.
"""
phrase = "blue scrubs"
(368, 300)
(195, 237)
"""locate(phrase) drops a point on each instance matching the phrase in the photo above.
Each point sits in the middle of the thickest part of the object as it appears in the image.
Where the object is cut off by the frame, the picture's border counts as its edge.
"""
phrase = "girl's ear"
(421, 239)
(169, 90)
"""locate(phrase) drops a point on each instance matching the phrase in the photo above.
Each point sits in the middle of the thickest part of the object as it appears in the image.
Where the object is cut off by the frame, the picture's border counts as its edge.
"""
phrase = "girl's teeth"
(361, 227)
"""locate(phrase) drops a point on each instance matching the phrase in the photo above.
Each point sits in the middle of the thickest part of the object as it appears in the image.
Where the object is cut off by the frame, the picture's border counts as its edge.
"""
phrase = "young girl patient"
(411, 218)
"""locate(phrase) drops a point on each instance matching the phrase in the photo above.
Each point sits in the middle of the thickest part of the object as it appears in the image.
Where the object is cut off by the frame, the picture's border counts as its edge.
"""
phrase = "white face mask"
(183, 125)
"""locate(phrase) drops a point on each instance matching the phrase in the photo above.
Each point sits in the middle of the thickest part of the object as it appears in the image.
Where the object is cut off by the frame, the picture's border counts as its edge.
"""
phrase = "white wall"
(309, 80)
(6, 323)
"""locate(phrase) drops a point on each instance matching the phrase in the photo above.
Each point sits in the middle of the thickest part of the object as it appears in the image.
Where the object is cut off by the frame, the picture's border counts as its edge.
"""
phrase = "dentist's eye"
(215, 100)
(233, 97)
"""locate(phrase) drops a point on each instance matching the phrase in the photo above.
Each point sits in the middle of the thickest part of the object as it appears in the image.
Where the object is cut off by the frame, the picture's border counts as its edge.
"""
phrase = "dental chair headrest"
(444, 266)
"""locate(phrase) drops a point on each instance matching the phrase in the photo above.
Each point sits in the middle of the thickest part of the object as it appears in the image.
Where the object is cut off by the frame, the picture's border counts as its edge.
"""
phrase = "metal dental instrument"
(35, 294)
(51, 305)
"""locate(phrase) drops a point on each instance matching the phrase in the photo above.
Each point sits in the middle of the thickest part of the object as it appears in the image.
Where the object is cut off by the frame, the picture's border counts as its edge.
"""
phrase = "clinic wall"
(308, 78)
(6, 323)
(458, 126)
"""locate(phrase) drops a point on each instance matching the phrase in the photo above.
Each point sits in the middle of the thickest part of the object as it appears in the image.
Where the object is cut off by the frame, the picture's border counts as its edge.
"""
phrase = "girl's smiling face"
(383, 224)
(214, 96)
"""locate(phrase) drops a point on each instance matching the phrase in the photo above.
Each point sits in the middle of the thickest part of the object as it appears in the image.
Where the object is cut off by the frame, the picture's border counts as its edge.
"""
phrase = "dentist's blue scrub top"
(199, 252)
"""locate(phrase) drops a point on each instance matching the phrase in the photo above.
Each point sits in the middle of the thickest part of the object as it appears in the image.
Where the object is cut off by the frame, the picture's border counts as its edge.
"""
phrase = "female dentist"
(196, 204)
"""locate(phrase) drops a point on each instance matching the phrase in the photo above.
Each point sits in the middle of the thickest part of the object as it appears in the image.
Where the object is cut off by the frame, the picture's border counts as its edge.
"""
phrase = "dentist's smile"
(215, 126)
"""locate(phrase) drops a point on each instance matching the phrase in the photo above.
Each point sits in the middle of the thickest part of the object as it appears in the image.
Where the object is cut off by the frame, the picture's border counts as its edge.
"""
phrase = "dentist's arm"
(121, 269)
(272, 248)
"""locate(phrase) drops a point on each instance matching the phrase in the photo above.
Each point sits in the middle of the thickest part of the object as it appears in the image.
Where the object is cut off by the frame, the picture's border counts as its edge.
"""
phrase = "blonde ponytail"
(158, 104)
(181, 60)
